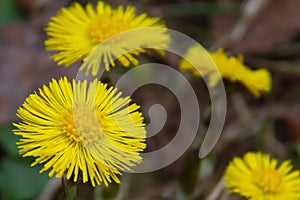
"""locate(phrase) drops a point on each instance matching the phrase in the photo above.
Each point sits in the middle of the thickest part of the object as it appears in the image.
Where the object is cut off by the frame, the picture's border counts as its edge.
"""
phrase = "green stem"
(70, 189)
(262, 131)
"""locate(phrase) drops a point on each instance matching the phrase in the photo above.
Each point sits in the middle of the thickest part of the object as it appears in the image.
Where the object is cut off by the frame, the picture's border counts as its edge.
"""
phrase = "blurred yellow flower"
(76, 31)
(81, 129)
(257, 177)
(230, 68)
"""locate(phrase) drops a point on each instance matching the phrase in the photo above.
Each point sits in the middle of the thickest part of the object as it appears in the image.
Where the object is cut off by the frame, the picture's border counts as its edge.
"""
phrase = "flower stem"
(216, 192)
(70, 189)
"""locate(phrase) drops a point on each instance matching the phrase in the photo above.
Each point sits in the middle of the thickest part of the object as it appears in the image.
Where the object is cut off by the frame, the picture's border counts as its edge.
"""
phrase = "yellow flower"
(230, 68)
(257, 177)
(76, 31)
(80, 128)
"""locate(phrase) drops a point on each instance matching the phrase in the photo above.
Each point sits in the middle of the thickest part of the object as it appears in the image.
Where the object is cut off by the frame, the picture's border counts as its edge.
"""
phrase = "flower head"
(230, 68)
(81, 128)
(258, 177)
(76, 31)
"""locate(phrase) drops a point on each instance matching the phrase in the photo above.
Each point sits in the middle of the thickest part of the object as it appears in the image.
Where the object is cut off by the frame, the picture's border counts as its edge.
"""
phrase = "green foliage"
(17, 179)
(8, 11)
(8, 141)
(189, 174)
(110, 192)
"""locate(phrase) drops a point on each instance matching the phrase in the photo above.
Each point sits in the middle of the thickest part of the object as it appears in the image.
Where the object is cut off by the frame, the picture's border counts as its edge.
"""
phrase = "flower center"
(103, 28)
(269, 179)
(82, 124)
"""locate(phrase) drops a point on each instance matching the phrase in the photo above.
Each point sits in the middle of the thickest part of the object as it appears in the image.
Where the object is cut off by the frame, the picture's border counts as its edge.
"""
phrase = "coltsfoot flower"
(76, 31)
(81, 129)
(258, 177)
(230, 68)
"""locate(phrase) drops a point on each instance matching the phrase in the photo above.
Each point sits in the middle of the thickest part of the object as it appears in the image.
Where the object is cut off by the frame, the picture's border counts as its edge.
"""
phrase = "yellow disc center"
(83, 124)
(103, 28)
(269, 179)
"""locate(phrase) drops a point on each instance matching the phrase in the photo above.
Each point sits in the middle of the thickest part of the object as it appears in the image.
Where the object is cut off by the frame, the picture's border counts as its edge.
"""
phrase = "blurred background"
(266, 32)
